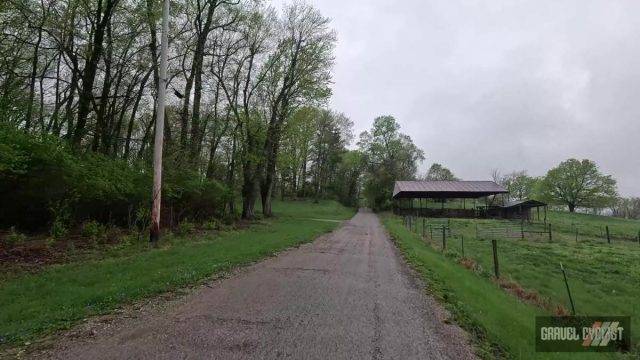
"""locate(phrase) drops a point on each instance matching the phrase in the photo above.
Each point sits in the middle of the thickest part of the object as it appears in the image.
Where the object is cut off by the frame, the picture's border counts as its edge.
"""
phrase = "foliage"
(348, 183)
(14, 238)
(93, 230)
(185, 228)
(438, 172)
(43, 183)
(520, 185)
(628, 208)
(389, 156)
(578, 183)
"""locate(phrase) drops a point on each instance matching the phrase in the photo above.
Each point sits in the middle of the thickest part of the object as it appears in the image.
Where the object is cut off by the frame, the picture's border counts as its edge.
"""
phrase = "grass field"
(57, 297)
(604, 278)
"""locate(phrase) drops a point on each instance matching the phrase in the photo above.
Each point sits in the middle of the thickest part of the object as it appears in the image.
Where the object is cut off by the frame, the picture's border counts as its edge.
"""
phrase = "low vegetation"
(603, 277)
(56, 297)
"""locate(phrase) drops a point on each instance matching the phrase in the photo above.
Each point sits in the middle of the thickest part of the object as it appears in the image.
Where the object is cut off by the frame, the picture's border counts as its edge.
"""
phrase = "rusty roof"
(446, 189)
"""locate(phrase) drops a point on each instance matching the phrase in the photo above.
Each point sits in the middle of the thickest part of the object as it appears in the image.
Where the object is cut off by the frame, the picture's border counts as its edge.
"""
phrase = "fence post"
(476, 230)
(444, 239)
(608, 235)
(550, 236)
(496, 268)
(576, 234)
(566, 283)
(462, 244)
(522, 229)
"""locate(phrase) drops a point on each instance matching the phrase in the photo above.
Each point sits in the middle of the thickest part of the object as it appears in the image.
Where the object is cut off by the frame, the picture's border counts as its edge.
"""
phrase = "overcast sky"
(513, 85)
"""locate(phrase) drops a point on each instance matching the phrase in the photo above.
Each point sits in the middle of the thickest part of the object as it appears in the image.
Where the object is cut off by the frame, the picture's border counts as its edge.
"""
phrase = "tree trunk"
(90, 70)
(32, 84)
(572, 207)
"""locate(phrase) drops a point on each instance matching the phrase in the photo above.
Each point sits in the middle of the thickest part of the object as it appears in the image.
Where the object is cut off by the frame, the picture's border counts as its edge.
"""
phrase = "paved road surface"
(347, 295)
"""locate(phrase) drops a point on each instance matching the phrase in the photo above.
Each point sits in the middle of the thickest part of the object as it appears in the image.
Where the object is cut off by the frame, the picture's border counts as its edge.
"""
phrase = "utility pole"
(154, 235)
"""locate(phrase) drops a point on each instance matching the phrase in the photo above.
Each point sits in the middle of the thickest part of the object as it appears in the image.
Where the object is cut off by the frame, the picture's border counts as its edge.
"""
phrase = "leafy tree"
(519, 184)
(578, 183)
(348, 182)
(389, 156)
(438, 172)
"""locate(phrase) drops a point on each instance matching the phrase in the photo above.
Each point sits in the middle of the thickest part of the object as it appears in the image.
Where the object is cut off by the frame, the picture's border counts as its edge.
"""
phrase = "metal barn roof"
(525, 203)
(446, 189)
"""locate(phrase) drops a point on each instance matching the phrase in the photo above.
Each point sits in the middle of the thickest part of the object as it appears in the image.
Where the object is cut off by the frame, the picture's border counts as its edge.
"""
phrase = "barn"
(459, 199)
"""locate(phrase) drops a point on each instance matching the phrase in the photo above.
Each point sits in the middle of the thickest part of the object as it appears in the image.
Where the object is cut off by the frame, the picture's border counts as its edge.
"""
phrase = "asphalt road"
(347, 295)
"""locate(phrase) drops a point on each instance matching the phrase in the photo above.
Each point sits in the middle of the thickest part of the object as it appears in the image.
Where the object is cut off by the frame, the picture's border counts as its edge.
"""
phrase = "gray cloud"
(497, 84)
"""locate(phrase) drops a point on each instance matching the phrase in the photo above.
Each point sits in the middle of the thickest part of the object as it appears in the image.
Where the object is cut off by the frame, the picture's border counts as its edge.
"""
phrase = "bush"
(212, 224)
(93, 230)
(185, 228)
(44, 185)
(15, 238)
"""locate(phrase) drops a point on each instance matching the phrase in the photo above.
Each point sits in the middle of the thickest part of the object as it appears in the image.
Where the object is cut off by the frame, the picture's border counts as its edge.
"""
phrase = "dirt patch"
(531, 297)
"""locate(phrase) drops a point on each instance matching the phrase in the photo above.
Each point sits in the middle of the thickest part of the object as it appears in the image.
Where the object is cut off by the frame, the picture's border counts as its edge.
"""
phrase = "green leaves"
(390, 156)
(578, 183)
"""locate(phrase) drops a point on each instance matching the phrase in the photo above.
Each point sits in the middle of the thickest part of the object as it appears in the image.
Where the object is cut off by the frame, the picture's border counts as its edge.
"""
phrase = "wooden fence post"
(566, 283)
(444, 239)
(576, 234)
(462, 244)
(608, 235)
(550, 236)
(522, 229)
(496, 268)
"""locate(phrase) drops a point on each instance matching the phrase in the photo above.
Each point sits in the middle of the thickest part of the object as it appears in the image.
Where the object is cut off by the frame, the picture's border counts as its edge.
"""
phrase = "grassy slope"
(59, 296)
(504, 319)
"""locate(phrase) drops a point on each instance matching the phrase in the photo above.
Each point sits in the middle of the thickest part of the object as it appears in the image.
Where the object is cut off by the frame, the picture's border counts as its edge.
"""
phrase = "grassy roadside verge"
(502, 325)
(56, 298)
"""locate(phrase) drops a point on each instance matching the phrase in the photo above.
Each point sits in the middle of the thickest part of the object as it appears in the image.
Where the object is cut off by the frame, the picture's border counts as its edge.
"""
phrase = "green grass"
(604, 279)
(59, 296)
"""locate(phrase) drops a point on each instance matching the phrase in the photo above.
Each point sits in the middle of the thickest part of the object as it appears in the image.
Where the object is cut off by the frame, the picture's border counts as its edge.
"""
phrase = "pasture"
(604, 277)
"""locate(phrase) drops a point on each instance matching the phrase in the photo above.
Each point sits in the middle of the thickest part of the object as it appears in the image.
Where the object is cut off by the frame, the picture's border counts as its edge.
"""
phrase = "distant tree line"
(573, 183)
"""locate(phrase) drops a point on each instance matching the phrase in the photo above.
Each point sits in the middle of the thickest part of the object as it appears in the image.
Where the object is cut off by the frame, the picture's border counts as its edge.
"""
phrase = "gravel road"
(347, 295)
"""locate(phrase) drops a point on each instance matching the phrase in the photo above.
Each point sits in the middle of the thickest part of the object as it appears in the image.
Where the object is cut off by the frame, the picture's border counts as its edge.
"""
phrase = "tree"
(389, 156)
(302, 74)
(519, 184)
(578, 183)
(438, 172)
(348, 183)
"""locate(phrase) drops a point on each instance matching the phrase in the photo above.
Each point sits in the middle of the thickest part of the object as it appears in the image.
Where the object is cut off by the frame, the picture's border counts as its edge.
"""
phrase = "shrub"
(15, 238)
(212, 224)
(185, 228)
(93, 230)
(44, 184)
